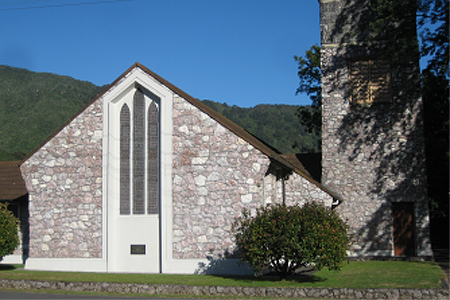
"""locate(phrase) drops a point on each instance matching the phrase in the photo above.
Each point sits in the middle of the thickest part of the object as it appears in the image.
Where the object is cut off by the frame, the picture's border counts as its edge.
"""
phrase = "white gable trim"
(123, 89)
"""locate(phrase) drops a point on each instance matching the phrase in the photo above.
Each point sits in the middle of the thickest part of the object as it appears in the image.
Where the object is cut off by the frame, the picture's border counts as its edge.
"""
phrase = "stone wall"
(215, 175)
(64, 181)
(300, 190)
(167, 289)
(373, 155)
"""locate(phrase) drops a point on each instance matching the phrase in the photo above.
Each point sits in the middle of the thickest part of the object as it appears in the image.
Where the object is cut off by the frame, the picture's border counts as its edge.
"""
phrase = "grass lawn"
(356, 274)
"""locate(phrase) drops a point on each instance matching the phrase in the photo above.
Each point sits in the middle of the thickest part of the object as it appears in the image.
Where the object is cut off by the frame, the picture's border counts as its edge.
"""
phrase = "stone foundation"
(166, 289)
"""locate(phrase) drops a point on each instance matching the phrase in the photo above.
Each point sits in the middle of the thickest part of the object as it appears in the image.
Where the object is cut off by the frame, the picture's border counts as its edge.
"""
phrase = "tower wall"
(372, 131)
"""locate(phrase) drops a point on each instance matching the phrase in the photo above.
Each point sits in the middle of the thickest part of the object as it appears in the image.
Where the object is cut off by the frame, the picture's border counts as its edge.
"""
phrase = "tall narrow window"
(125, 160)
(138, 152)
(139, 155)
(153, 159)
(370, 81)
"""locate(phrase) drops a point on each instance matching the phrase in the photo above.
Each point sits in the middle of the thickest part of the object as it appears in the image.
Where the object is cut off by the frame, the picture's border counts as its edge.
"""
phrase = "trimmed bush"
(284, 238)
(9, 237)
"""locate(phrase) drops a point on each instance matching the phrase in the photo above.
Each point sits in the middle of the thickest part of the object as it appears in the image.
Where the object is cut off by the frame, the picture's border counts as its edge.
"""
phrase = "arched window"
(153, 160)
(125, 160)
(138, 153)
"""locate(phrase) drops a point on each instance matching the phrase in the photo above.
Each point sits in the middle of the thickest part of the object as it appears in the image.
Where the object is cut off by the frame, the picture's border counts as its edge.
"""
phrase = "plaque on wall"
(137, 249)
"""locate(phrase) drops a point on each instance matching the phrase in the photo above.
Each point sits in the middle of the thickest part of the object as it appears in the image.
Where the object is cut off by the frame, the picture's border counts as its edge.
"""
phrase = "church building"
(148, 179)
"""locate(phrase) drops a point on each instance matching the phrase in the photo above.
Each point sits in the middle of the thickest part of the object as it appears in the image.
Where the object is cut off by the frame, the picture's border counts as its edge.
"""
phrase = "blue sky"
(238, 52)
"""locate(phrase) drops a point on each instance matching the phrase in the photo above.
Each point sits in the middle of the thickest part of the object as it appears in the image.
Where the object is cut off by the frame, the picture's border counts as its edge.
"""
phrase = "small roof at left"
(12, 185)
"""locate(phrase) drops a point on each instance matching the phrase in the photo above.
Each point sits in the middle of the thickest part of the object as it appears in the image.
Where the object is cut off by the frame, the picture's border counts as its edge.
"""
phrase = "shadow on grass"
(7, 267)
(222, 264)
(298, 278)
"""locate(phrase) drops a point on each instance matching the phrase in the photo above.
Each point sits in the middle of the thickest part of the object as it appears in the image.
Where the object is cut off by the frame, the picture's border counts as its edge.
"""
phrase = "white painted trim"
(166, 166)
(105, 182)
(121, 92)
(386, 253)
(367, 253)
(13, 259)
(173, 266)
(67, 264)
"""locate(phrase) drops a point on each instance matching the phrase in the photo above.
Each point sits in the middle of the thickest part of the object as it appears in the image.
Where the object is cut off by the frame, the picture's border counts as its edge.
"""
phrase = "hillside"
(277, 125)
(34, 105)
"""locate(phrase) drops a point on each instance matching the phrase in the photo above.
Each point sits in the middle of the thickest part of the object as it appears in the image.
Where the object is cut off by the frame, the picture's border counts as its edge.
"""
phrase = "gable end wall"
(64, 180)
(215, 175)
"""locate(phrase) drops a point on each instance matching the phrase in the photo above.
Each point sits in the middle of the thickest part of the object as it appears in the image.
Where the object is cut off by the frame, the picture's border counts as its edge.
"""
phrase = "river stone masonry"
(216, 174)
(64, 181)
(230, 291)
(373, 154)
(210, 170)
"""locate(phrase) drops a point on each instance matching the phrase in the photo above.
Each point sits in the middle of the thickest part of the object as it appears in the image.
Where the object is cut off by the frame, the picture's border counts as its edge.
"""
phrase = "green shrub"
(284, 238)
(9, 237)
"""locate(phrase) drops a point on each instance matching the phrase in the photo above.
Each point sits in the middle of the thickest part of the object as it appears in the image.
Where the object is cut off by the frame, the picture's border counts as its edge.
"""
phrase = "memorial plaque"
(137, 249)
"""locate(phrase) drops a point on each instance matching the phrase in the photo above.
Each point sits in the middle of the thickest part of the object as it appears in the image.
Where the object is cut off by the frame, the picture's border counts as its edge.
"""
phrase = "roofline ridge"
(259, 144)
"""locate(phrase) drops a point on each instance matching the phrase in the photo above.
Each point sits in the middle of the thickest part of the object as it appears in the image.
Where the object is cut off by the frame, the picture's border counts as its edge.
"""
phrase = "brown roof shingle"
(12, 185)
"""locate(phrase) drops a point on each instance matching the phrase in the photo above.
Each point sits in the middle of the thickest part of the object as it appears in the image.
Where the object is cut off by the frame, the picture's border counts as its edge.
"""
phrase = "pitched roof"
(12, 185)
(270, 151)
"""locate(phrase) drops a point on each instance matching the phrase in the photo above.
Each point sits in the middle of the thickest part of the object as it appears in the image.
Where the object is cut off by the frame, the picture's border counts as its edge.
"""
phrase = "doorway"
(404, 235)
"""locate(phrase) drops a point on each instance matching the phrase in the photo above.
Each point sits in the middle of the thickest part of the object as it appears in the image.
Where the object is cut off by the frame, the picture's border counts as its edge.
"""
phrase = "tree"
(309, 73)
(9, 238)
(435, 41)
(433, 28)
(435, 91)
(435, 95)
(284, 238)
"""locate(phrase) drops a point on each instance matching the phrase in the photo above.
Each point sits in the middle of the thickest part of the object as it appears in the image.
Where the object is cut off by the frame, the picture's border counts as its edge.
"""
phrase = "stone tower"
(372, 128)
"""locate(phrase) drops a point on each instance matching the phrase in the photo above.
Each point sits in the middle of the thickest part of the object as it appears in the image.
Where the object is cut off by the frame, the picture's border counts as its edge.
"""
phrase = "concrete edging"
(155, 289)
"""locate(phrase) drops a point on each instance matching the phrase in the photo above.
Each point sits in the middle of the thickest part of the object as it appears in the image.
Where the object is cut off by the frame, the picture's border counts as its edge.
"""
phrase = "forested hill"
(34, 105)
(277, 125)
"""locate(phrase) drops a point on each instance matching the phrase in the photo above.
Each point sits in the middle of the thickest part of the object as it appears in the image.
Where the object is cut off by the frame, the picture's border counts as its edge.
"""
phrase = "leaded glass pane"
(138, 152)
(125, 160)
(153, 159)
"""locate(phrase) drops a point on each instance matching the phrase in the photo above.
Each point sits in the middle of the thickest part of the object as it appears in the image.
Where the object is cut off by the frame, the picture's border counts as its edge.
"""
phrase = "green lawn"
(356, 274)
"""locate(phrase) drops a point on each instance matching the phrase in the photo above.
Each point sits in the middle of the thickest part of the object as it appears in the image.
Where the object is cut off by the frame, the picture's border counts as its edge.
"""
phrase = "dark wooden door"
(403, 214)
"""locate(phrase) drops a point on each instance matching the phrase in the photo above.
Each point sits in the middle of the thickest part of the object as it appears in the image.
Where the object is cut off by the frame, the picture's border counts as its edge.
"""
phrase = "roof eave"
(233, 127)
